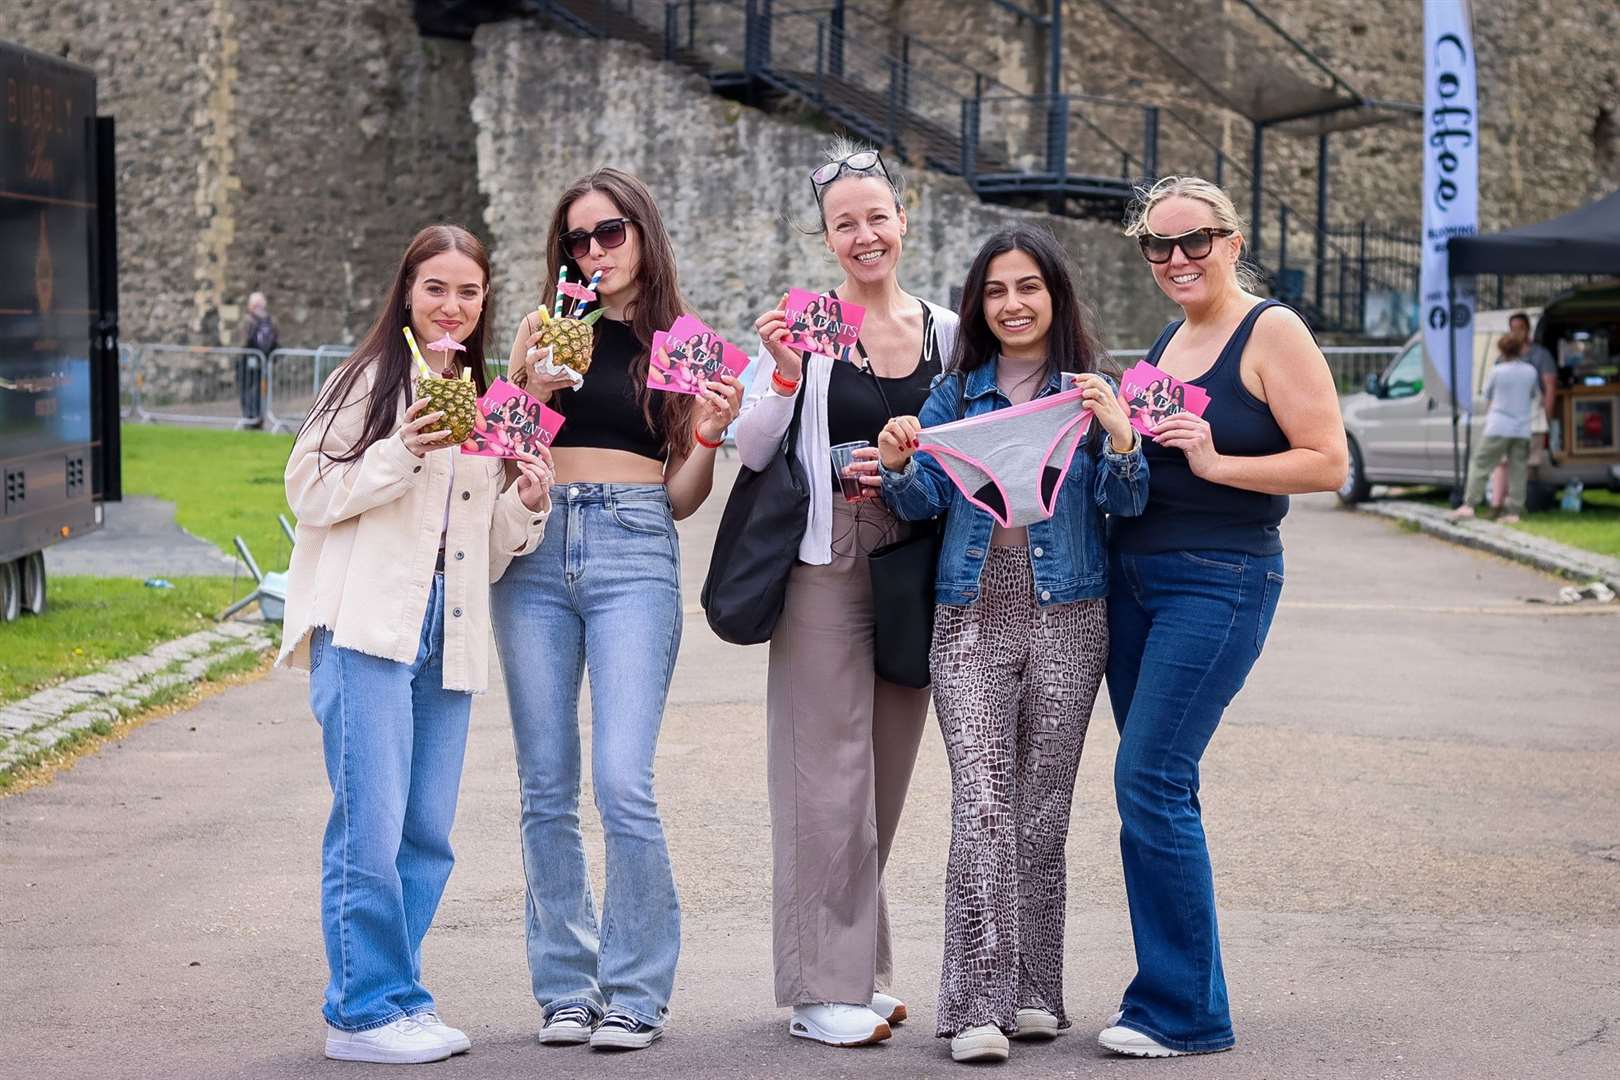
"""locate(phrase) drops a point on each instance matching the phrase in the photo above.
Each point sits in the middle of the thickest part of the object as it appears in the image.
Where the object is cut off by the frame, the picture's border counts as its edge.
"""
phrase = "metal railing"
(293, 381)
(1076, 152)
(197, 384)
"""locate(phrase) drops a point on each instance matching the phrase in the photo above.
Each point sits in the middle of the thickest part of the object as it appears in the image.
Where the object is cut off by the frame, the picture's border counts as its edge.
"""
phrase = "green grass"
(1595, 528)
(222, 483)
(90, 622)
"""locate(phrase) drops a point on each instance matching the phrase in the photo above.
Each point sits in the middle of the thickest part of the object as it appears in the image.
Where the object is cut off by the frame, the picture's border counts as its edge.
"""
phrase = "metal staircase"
(1075, 154)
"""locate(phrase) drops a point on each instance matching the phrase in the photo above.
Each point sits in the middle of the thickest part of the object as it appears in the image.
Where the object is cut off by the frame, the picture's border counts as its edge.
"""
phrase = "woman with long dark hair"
(602, 594)
(399, 535)
(1197, 580)
(1020, 633)
(841, 740)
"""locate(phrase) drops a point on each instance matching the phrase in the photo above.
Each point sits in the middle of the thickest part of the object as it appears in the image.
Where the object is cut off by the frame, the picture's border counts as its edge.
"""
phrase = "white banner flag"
(1450, 189)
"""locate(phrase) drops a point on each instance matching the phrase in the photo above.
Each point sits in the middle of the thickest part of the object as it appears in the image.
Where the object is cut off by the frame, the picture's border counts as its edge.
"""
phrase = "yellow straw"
(421, 364)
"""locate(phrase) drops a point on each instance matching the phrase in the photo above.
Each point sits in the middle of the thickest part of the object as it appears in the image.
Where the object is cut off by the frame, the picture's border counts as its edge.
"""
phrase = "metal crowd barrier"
(196, 384)
(129, 379)
(1351, 364)
(293, 381)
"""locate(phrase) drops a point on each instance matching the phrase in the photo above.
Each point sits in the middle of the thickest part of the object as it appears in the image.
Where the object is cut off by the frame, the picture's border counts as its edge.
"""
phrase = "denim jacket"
(1068, 552)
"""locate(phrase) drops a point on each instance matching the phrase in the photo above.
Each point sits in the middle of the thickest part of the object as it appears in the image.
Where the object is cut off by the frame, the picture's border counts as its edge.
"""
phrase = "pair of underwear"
(1011, 463)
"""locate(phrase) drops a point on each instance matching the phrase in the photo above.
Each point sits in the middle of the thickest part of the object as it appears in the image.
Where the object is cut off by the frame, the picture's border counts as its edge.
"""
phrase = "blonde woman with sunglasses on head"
(1195, 582)
(841, 740)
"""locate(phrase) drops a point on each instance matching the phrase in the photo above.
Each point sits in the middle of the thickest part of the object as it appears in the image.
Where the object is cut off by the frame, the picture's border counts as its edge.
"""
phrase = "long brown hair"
(658, 301)
(384, 345)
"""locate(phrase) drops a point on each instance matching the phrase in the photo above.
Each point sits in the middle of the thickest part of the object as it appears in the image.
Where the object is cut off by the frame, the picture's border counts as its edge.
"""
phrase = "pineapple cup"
(456, 398)
(570, 342)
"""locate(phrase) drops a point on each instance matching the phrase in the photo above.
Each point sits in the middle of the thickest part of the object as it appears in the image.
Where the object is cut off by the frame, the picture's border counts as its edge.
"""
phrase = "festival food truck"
(59, 448)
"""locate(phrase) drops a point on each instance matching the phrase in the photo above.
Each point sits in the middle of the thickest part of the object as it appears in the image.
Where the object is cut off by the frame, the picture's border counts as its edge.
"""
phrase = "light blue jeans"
(394, 740)
(601, 594)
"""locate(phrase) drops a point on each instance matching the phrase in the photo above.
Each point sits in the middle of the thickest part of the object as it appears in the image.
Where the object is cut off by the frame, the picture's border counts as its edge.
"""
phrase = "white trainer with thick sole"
(1035, 1025)
(403, 1042)
(1132, 1043)
(455, 1038)
(890, 1008)
(982, 1043)
(838, 1025)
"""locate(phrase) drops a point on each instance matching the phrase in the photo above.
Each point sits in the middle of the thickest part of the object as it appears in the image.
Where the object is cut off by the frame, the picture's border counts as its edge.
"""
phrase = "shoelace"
(428, 1019)
(571, 1014)
(620, 1021)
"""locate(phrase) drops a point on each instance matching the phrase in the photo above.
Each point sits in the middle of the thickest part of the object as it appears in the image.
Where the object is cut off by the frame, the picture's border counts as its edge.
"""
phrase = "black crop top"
(604, 413)
(859, 401)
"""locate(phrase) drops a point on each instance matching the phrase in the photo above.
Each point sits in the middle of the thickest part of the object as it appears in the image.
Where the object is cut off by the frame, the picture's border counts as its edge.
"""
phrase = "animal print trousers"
(1013, 687)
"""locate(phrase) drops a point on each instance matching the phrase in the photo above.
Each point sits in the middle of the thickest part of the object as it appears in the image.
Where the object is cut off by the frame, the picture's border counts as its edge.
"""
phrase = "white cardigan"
(766, 415)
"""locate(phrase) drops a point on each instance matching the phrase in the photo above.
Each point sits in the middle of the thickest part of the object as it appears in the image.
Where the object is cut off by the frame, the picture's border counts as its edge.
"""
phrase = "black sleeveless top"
(859, 402)
(605, 411)
(1185, 512)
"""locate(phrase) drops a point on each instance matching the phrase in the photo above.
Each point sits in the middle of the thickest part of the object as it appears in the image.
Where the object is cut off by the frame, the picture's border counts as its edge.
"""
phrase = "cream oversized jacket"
(368, 539)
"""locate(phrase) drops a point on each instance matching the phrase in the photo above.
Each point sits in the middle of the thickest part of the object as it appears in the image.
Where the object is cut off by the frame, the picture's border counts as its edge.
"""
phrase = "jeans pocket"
(317, 646)
(649, 518)
(1269, 599)
(1206, 560)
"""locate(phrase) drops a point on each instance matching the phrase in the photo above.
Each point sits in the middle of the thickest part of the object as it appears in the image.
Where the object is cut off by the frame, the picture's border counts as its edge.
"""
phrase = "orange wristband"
(701, 441)
(787, 387)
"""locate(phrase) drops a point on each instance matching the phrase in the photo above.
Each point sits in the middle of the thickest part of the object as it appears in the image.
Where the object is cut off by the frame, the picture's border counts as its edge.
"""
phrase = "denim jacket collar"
(982, 380)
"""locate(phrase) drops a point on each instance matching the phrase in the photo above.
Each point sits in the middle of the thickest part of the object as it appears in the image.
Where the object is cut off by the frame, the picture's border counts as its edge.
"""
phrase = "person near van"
(1511, 389)
(1537, 356)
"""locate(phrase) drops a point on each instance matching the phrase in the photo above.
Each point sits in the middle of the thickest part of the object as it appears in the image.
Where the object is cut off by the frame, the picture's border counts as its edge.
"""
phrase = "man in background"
(258, 332)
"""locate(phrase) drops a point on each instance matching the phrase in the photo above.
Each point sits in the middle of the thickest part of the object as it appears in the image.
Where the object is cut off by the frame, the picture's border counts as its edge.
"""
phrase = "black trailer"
(59, 446)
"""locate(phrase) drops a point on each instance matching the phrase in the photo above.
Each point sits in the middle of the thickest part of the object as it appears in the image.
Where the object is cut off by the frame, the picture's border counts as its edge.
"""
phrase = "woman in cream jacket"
(399, 536)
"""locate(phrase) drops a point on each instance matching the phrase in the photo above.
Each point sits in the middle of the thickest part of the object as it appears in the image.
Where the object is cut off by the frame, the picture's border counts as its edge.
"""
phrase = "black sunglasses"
(609, 233)
(1195, 244)
(859, 162)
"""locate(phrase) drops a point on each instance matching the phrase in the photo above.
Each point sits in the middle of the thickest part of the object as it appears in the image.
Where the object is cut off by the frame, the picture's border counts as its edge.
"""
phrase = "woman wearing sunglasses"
(602, 594)
(841, 741)
(1196, 580)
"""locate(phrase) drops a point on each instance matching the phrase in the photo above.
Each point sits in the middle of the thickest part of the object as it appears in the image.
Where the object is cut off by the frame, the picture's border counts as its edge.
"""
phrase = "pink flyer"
(822, 324)
(511, 419)
(1152, 395)
(689, 354)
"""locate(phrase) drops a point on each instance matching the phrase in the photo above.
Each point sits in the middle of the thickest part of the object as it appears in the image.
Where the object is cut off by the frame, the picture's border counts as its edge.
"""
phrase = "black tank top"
(859, 401)
(605, 411)
(1185, 512)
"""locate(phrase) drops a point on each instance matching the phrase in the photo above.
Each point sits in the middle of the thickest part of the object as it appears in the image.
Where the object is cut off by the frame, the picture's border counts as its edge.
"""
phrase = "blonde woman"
(1196, 579)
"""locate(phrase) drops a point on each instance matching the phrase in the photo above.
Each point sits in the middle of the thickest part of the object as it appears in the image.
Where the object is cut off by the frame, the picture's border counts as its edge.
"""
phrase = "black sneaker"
(620, 1031)
(569, 1025)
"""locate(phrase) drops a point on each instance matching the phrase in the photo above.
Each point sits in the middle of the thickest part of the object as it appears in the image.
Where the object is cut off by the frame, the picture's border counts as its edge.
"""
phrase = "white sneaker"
(890, 1008)
(1035, 1024)
(982, 1043)
(1131, 1043)
(455, 1038)
(838, 1025)
(404, 1042)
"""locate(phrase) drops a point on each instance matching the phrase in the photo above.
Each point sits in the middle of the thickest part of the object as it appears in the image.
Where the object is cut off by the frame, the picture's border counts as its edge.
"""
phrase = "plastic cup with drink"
(843, 457)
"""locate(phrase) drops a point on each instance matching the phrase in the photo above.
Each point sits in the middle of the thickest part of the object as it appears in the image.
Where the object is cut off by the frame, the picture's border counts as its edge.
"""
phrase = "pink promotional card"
(1152, 395)
(689, 354)
(511, 419)
(822, 324)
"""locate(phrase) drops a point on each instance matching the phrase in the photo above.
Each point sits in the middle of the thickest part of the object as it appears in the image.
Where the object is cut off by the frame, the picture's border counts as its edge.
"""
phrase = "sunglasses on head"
(859, 162)
(1194, 244)
(609, 234)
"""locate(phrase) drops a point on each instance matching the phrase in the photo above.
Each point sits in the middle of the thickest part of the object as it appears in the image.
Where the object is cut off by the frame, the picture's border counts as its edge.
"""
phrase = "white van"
(1400, 429)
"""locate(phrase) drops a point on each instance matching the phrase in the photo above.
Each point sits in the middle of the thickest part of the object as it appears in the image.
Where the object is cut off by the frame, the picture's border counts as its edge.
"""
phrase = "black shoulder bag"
(903, 584)
(757, 544)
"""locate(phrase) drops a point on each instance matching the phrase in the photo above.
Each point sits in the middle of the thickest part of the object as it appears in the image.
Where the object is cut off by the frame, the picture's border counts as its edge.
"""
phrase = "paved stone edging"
(1501, 540)
(47, 718)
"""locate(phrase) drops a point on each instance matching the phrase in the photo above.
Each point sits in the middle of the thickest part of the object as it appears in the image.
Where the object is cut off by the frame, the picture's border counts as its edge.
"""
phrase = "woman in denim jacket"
(1020, 640)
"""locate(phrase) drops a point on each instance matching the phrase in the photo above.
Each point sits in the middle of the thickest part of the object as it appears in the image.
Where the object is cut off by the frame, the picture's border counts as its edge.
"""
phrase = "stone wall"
(544, 118)
(290, 148)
